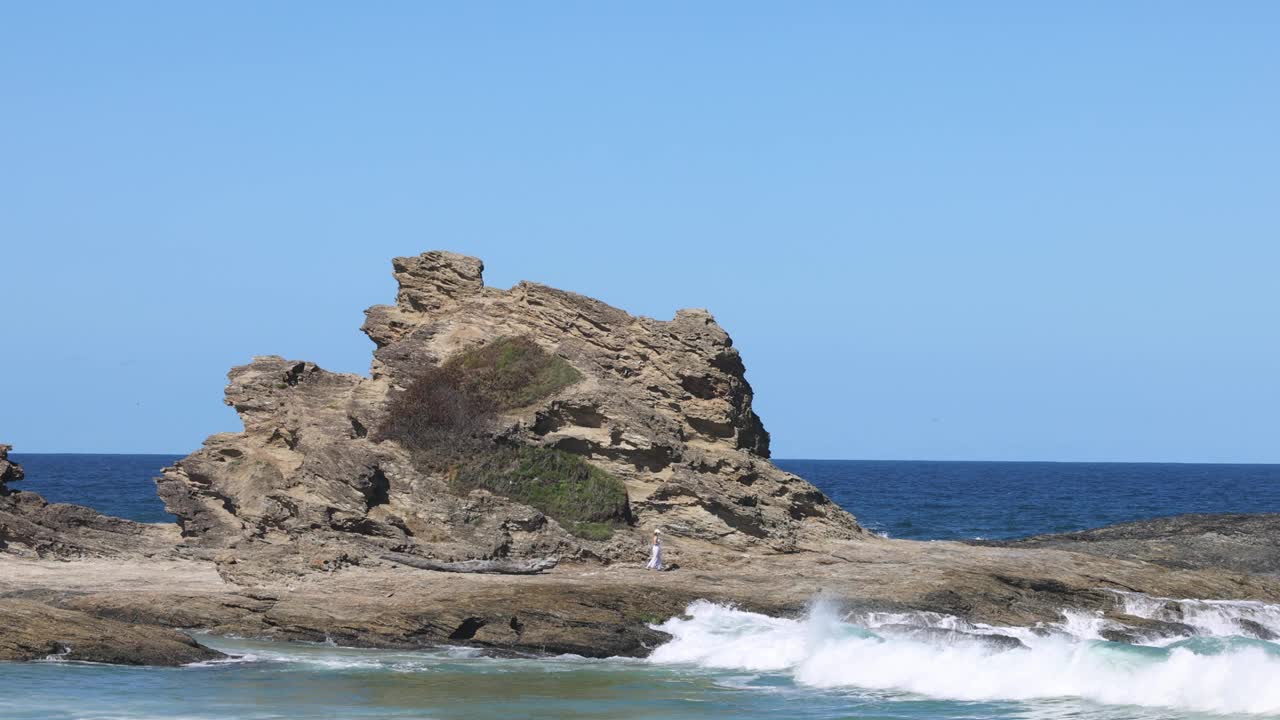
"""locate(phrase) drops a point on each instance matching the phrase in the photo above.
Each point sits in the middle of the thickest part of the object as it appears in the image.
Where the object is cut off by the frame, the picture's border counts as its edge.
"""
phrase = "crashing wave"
(1219, 618)
(1218, 672)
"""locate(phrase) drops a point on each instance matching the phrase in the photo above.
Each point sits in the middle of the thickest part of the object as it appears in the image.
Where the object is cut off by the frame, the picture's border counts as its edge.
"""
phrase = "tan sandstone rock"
(663, 405)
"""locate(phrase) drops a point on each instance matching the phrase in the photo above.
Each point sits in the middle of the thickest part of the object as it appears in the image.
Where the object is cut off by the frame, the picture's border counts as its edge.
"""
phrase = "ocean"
(727, 663)
(915, 500)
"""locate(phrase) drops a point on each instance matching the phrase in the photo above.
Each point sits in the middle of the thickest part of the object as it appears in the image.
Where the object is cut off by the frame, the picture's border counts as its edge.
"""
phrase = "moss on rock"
(443, 416)
(513, 372)
(583, 498)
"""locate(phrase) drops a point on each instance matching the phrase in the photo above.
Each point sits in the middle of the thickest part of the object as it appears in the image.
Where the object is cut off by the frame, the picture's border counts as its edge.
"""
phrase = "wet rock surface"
(1256, 630)
(943, 636)
(1136, 630)
(38, 631)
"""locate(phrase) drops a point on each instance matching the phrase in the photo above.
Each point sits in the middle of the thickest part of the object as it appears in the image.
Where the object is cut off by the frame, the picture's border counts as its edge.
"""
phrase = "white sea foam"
(229, 660)
(828, 650)
(1220, 618)
(1083, 624)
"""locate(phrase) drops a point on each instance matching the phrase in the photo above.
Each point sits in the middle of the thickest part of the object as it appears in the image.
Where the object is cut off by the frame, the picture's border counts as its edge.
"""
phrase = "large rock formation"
(663, 405)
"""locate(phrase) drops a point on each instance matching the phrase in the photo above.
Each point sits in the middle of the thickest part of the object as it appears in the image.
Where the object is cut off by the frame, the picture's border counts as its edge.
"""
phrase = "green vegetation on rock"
(513, 372)
(442, 418)
(586, 500)
(593, 530)
(446, 406)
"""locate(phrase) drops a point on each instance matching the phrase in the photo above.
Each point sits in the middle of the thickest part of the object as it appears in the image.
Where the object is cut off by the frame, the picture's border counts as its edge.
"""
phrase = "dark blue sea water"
(120, 485)
(908, 499)
(925, 500)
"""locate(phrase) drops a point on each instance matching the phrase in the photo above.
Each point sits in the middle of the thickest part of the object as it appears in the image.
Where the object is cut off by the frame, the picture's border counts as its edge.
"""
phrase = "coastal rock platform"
(1246, 543)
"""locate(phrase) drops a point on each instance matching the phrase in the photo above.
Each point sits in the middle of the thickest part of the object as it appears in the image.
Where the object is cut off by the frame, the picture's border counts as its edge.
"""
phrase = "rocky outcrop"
(1138, 630)
(31, 526)
(33, 629)
(663, 405)
(946, 636)
(600, 611)
(411, 610)
(9, 471)
(1235, 542)
(37, 631)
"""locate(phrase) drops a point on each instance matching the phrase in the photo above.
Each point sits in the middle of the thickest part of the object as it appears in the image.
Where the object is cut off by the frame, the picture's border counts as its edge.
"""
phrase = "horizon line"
(804, 459)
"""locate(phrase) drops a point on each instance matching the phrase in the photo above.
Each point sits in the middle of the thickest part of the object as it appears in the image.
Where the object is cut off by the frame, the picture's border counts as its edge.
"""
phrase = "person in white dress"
(655, 555)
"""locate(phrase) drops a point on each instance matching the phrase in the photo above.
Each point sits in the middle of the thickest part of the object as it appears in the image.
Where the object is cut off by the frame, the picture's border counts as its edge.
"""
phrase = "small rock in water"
(1256, 630)
(943, 636)
(1134, 630)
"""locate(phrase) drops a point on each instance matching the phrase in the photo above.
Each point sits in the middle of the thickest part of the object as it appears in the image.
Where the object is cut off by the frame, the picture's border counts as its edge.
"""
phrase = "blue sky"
(935, 230)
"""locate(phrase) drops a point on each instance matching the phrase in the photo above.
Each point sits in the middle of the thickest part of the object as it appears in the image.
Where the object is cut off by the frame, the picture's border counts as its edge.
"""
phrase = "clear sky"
(935, 230)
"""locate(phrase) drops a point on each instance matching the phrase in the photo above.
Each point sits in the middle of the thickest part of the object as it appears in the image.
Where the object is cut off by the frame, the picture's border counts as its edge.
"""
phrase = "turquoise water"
(721, 663)
(314, 682)
(727, 663)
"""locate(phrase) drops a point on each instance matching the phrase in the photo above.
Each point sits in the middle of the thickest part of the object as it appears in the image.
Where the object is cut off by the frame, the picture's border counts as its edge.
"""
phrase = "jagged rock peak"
(435, 279)
(9, 470)
(443, 306)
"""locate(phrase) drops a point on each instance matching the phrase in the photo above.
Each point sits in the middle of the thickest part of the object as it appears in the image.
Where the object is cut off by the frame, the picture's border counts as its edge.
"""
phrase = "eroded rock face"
(9, 471)
(665, 406)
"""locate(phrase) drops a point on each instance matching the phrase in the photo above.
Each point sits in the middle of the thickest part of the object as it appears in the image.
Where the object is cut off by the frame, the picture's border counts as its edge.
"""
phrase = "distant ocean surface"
(925, 500)
(119, 485)
(727, 663)
(919, 500)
